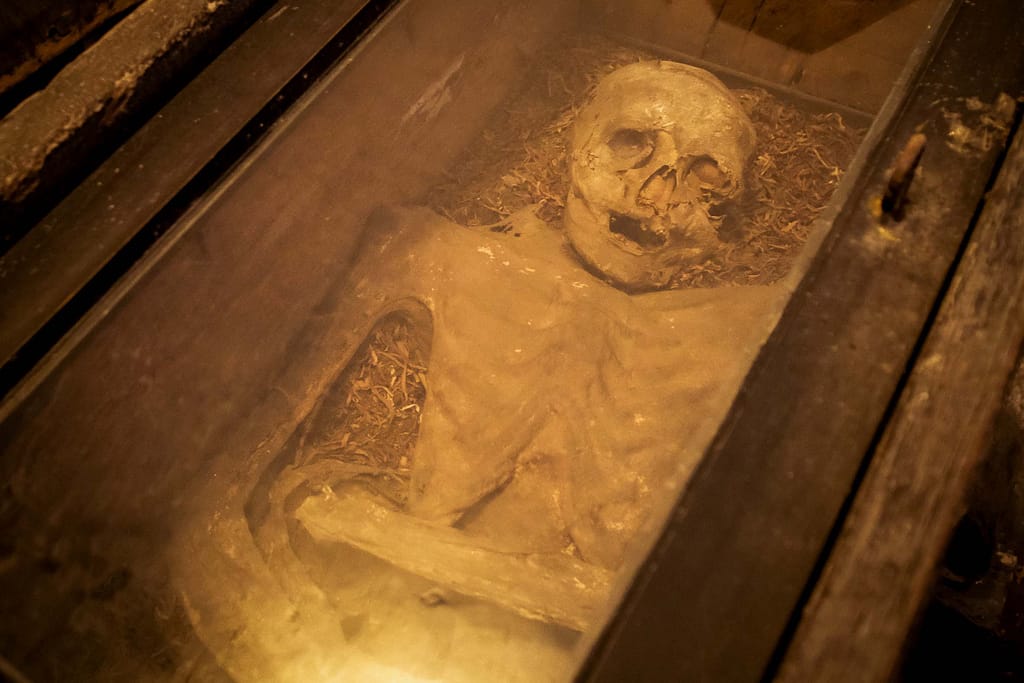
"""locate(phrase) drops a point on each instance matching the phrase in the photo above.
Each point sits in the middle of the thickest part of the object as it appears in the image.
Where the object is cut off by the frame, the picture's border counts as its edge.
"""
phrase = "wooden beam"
(880, 573)
(716, 597)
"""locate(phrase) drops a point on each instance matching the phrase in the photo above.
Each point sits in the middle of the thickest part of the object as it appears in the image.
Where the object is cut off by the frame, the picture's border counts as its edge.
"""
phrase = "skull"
(659, 157)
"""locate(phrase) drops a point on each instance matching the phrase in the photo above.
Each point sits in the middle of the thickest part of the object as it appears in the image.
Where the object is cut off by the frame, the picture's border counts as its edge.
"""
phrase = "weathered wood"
(32, 32)
(71, 245)
(716, 594)
(882, 567)
(55, 136)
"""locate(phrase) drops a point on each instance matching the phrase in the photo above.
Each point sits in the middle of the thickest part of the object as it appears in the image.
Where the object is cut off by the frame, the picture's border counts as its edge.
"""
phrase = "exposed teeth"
(634, 233)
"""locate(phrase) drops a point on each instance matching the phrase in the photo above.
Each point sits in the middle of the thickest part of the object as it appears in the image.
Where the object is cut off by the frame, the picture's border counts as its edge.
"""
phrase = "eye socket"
(629, 144)
(707, 171)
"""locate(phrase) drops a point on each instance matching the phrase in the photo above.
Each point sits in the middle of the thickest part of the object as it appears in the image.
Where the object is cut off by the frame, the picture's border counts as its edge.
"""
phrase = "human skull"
(659, 155)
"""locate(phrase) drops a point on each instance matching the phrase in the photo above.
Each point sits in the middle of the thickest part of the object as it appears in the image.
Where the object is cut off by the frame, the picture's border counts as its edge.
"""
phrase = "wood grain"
(33, 32)
(717, 594)
(883, 565)
(48, 266)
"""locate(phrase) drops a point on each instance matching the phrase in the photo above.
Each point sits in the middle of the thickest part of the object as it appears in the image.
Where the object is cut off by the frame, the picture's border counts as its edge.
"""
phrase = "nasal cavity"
(658, 189)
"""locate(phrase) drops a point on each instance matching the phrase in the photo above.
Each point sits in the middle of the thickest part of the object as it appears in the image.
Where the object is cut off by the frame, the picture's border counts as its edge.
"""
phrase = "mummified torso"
(559, 409)
(568, 399)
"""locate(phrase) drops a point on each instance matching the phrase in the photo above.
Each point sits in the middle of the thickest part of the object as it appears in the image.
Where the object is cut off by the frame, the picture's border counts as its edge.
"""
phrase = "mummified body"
(564, 411)
(560, 406)
(568, 396)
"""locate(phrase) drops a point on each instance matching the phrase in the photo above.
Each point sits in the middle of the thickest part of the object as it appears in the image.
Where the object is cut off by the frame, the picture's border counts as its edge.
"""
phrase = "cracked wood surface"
(856, 623)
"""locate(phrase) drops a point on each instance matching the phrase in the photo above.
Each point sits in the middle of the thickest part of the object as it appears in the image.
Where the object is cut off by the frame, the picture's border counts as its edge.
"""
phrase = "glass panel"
(410, 395)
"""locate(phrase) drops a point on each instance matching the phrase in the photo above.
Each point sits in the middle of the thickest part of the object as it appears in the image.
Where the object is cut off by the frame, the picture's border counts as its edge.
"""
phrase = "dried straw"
(521, 159)
(377, 427)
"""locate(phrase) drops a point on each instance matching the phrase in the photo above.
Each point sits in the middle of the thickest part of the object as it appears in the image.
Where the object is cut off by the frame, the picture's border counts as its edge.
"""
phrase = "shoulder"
(390, 230)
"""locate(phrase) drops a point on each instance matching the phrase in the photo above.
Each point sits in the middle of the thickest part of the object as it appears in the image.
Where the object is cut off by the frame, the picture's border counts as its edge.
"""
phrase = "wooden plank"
(883, 565)
(716, 595)
(71, 245)
(34, 32)
(52, 139)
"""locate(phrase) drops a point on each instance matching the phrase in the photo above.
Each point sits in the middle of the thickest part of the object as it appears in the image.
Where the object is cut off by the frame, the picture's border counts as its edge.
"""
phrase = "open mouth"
(635, 233)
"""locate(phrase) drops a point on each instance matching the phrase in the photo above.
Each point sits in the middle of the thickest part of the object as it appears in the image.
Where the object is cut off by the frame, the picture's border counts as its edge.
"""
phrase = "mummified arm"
(249, 597)
(552, 587)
